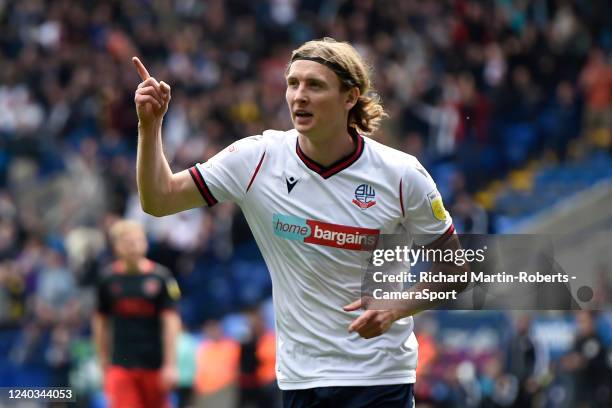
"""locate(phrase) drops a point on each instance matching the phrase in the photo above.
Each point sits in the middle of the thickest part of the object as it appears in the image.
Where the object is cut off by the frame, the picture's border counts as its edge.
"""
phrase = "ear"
(352, 97)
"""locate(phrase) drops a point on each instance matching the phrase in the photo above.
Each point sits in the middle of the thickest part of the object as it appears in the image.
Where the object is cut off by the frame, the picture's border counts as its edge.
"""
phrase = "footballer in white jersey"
(316, 227)
(317, 199)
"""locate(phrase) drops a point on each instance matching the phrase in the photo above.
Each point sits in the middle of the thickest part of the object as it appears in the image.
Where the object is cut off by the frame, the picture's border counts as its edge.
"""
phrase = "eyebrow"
(307, 78)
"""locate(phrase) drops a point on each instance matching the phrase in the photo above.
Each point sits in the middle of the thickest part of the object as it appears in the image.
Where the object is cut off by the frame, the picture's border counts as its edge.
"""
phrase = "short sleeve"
(425, 217)
(170, 293)
(227, 175)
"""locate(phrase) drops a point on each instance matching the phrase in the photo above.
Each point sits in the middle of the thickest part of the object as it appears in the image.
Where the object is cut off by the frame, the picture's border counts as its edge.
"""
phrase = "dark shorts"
(375, 396)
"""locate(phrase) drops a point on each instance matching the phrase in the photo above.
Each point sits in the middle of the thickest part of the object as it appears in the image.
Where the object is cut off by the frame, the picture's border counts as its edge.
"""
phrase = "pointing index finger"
(142, 71)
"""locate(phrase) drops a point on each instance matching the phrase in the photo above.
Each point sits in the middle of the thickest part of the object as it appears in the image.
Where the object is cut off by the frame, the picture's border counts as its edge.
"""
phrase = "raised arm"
(161, 192)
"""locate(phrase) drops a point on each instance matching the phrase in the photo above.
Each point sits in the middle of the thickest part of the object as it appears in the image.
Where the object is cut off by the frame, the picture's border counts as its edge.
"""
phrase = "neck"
(133, 264)
(327, 151)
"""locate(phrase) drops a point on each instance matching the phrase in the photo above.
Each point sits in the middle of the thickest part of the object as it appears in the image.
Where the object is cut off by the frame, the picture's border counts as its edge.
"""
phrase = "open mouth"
(302, 114)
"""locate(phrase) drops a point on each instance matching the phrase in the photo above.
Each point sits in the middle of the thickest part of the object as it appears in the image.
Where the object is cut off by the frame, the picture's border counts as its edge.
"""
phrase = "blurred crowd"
(496, 359)
(474, 89)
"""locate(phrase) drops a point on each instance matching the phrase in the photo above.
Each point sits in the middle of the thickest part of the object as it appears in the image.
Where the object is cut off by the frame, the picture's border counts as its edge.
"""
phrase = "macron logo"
(323, 233)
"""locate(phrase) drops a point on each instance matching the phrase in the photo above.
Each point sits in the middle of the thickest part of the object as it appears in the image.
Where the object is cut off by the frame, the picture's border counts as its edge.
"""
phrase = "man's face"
(316, 104)
(131, 244)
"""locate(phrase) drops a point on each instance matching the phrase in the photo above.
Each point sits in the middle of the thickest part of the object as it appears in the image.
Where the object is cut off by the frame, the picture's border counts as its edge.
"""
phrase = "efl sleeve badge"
(437, 206)
(173, 289)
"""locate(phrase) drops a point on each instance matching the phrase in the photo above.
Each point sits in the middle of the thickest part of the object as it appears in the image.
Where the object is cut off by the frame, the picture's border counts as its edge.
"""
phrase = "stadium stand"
(508, 103)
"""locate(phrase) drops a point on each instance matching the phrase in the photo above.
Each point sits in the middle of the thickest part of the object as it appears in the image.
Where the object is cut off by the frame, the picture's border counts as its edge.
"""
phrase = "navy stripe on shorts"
(375, 396)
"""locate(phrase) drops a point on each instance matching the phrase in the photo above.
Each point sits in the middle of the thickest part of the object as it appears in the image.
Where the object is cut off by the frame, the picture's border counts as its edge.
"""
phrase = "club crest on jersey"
(151, 286)
(364, 196)
(115, 289)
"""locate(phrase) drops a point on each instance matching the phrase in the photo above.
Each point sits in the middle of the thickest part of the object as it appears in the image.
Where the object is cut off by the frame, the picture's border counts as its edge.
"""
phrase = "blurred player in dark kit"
(136, 325)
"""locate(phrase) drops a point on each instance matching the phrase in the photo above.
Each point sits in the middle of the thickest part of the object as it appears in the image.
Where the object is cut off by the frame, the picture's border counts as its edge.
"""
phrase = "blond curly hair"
(352, 70)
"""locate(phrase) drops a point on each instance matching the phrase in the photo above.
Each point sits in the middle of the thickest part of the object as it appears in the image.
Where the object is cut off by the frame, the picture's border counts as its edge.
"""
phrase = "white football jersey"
(315, 227)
